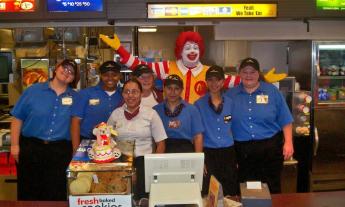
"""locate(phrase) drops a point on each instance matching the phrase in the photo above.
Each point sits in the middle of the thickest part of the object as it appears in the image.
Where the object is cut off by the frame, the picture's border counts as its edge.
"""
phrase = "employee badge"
(94, 101)
(174, 124)
(227, 118)
(262, 99)
(67, 101)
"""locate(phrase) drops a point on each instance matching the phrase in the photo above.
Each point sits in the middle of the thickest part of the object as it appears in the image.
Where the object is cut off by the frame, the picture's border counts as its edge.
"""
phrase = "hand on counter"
(15, 152)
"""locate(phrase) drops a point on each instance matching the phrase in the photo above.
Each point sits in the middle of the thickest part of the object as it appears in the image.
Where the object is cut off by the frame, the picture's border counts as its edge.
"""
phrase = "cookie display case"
(92, 183)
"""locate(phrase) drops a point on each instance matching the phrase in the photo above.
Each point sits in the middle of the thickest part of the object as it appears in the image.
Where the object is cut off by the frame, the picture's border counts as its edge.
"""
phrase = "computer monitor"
(173, 168)
(5, 66)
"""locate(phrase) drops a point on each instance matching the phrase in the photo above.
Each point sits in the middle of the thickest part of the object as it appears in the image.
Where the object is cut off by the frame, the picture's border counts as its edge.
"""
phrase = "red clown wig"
(185, 37)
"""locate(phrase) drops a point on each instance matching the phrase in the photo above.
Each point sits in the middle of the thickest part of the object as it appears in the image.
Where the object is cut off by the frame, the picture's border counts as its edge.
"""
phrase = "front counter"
(321, 199)
(88, 180)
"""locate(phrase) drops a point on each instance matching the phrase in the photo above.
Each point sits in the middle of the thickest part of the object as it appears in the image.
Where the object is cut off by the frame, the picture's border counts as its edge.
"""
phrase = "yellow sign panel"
(178, 11)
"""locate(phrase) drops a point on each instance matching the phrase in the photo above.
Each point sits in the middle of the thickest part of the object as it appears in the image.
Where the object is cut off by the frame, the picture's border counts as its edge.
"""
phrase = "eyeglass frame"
(134, 92)
(67, 70)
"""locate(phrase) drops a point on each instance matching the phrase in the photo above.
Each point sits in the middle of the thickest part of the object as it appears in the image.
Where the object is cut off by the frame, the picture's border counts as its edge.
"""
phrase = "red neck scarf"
(130, 115)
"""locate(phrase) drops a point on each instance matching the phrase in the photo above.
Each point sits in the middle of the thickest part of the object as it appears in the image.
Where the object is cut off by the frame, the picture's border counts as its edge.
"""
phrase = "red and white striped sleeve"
(160, 69)
(231, 81)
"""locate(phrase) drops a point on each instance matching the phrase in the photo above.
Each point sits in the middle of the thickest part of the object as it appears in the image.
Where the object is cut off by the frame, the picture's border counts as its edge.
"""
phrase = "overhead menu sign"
(330, 4)
(17, 5)
(75, 5)
(180, 11)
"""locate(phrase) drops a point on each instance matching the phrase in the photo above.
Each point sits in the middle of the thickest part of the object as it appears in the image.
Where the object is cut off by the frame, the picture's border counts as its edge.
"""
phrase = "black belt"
(270, 139)
(177, 141)
(41, 141)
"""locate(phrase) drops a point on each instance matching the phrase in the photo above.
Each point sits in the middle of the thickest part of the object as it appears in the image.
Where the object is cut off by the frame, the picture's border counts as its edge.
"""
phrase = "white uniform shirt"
(142, 128)
(149, 101)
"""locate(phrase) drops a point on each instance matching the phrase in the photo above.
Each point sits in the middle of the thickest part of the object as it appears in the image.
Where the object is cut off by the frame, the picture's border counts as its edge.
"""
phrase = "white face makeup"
(190, 54)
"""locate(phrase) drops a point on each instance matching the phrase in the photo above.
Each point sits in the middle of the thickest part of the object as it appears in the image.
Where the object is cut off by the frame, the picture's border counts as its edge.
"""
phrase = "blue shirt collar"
(260, 89)
(99, 86)
(46, 86)
(181, 101)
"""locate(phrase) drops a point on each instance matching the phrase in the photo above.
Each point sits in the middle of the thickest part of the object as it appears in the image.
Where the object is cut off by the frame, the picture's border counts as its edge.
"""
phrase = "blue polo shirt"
(44, 114)
(217, 132)
(94, 106)
(184, 126)
(256, 121)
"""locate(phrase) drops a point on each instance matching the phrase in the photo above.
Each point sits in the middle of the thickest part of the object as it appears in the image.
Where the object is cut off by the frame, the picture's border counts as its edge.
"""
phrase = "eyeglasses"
(133, 92)
(68, 71)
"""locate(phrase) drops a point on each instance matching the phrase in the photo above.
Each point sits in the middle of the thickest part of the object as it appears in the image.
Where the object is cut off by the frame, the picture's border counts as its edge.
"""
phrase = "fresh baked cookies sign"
(100, 201)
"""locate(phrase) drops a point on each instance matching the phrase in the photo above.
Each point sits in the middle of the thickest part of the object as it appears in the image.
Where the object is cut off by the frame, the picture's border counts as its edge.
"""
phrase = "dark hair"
(72, 64)
(133, 80)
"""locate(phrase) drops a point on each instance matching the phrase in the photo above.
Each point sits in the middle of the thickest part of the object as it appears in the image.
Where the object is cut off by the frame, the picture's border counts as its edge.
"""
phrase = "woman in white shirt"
(134, 121)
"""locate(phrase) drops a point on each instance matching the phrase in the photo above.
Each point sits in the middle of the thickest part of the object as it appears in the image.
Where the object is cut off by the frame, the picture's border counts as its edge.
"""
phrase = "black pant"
(261, 160)
(173, 145)
(42, 169)
(221, 162)
(139, 191)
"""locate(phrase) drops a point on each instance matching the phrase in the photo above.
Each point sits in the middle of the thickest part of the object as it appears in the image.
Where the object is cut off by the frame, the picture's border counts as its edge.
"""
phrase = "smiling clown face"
(190, 53)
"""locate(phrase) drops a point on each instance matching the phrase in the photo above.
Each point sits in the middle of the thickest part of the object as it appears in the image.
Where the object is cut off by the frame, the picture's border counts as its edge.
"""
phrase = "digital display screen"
(75, 5)
(330, 5)
(17, 5)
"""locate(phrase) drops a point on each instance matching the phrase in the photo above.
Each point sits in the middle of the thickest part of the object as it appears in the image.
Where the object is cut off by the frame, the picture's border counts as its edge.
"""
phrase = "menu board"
(18, 5)
(172, 11)
(330, 4)
(75, 5)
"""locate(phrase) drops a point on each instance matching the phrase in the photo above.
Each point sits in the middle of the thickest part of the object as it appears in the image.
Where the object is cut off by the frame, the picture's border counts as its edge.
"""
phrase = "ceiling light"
(332, 47)
(147, 29)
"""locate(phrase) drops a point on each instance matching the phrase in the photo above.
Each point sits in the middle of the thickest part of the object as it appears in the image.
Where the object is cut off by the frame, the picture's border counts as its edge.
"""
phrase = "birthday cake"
(104, 149)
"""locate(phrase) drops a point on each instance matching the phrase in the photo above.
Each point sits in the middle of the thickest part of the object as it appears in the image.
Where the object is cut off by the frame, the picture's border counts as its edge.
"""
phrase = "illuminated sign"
(172, 11)
(330, 4)
(17, 6)
(75, 5)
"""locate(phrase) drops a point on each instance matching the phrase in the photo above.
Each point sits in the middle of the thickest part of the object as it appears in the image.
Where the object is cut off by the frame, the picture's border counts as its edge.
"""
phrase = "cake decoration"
(104, 149)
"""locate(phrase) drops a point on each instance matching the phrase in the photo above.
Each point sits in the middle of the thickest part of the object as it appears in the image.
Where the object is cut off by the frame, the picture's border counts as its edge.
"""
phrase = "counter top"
(319, 199)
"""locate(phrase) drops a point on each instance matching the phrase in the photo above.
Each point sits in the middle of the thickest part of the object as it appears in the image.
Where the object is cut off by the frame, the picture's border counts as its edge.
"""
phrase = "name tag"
(94, 102)
(227, 118)
(262, 99)
(67, 101)
(174, 124)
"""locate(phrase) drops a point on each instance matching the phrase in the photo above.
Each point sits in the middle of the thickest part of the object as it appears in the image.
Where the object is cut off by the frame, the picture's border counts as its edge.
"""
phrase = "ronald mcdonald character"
(189, 48)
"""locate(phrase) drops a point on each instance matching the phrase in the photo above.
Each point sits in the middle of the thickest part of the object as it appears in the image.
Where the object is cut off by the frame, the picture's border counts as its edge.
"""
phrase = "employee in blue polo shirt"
(260, 120)
(40, 135)
(181, 120)
(216, 114)
(95, 104)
